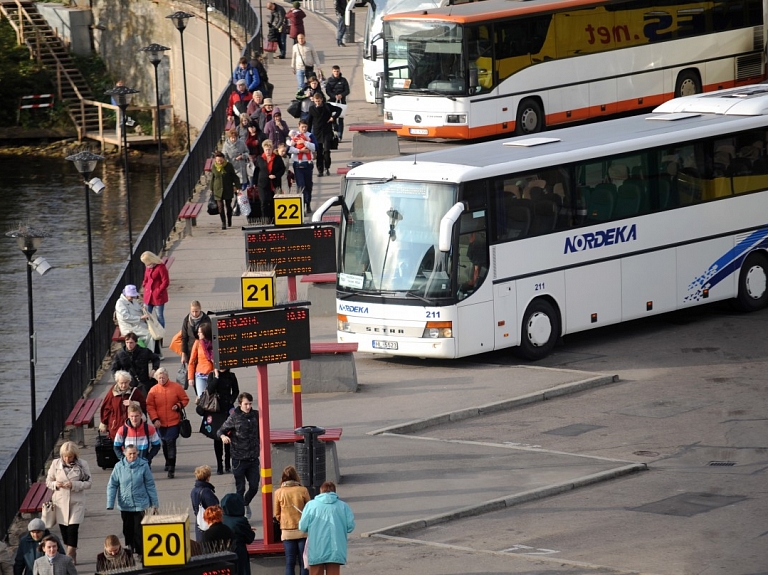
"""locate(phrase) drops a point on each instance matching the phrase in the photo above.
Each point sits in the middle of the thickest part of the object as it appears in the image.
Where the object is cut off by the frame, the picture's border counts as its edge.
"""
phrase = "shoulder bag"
(49, 514)
(209, 401)
(202, 525)
(181, 376)
(185, 427)
(156, 329)
(213, 206)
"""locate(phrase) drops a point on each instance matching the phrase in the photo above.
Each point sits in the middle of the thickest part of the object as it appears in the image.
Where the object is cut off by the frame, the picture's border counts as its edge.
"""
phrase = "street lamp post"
(180, 19)
(155, 52)
(208, 43)
(229, 32)
(86, 162)
(29, 240)
(121, 94)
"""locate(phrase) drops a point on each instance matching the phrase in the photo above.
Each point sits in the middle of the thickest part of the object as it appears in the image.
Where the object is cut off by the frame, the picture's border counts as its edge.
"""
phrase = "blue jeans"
(303, 173)
(300, 79)
(160, 312)
(246, 470)
(341, 28)
(281, 42)
(294, 550)
(201, 382)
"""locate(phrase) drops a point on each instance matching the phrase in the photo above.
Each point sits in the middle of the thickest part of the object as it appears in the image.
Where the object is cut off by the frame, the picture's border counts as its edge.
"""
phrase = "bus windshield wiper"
(434, 93)
(412, 293)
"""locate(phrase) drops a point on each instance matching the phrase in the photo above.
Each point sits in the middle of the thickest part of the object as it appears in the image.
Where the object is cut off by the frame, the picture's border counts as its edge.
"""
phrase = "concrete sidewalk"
(393, 482)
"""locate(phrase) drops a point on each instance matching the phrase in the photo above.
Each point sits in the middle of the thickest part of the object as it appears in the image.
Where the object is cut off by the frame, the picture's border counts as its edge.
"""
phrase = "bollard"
(349, 35)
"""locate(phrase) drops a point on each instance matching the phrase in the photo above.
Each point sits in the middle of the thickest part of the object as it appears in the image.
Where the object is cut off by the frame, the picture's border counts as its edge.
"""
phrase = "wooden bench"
(82, 416)
(329, 278)
(37, 496)
(189, 213)
(374, 140)
(116, 335)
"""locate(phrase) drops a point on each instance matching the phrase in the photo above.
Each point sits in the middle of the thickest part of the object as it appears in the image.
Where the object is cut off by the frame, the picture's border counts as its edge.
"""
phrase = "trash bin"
(349, 35)
(310, 458)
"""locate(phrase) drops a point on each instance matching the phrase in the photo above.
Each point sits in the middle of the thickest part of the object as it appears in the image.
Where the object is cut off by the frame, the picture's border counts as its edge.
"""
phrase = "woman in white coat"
(68, 478)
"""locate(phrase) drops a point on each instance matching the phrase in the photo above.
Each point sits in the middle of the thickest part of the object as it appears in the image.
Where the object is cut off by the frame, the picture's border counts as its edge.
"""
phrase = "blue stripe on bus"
(730, 262)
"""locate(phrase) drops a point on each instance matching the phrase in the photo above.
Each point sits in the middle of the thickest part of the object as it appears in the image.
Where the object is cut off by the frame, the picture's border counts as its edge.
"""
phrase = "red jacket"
(156, 282)
(236, 97)
(113, 412)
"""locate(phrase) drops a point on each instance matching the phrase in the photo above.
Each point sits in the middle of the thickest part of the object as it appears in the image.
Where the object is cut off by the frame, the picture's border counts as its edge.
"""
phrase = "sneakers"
(247, 511)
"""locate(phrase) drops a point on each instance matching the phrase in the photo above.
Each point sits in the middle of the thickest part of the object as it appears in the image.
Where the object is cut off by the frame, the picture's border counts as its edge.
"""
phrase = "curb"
(507, 501)
(505, 404)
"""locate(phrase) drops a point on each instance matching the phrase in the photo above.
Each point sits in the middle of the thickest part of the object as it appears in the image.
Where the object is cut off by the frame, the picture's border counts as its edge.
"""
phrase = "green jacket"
(224, 181)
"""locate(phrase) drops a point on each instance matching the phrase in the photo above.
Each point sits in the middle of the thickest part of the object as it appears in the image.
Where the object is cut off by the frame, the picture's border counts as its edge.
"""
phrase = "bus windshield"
(390, 241)
(425, 57)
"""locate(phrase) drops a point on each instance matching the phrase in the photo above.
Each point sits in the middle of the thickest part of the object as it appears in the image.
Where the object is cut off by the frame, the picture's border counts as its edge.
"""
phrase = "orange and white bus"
(506, 66)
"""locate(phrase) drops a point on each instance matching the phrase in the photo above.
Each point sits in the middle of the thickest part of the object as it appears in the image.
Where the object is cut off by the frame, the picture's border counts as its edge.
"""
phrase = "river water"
(48, 193)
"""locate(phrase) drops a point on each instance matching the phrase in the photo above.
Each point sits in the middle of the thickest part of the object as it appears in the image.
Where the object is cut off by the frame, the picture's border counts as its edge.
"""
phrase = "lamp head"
(155, 52)
(180, 19)
(85, 162)
(96, 185)
(121, 94)
(40, 265)
(27, 238)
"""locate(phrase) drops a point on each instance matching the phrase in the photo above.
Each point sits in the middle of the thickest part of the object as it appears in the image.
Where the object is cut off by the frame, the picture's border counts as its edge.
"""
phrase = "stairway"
(32, 30)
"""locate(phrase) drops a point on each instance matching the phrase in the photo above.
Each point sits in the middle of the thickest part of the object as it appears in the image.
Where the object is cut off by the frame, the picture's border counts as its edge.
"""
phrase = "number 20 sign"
(288, 210)
(166, 544)
(258, 289)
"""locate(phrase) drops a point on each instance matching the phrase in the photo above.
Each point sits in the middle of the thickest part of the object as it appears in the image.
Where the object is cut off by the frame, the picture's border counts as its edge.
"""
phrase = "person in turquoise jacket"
(133, 486)
(327, 520)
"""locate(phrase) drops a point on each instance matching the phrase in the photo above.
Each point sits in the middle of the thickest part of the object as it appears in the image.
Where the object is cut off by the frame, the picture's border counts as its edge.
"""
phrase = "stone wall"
(122, 28)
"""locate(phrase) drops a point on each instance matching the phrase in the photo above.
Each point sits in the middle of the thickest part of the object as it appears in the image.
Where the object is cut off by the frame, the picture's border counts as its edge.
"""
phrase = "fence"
(96, 341)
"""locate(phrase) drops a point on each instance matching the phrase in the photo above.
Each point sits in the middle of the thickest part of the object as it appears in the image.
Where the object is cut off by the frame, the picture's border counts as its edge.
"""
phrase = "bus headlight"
(456, 119)
(388, 116)
(436, 329)
(342, 324)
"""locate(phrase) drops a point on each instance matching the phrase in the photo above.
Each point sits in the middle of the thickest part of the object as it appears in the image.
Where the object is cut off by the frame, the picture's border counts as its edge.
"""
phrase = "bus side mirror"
(374, 52)
(320, 212)
(473, 79)
(446, 227)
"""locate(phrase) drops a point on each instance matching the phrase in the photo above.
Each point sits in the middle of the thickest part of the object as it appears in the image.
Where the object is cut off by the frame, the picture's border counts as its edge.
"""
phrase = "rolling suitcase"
(105, 455)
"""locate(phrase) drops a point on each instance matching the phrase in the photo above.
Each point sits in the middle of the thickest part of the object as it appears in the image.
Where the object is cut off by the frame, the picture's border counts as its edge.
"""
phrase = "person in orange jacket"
(201, 359)
(164, 404)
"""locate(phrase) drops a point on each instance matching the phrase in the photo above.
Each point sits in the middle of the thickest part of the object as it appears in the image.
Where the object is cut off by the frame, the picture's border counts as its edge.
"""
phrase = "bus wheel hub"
(756, 282)
(539, 329)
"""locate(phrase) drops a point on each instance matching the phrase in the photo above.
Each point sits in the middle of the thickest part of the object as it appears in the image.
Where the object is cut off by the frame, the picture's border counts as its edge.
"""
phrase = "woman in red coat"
(114, 408)
(156, 282)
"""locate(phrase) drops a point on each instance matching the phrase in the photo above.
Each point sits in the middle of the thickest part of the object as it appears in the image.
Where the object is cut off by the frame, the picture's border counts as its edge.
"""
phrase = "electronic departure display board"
(259, 337)
(294, 251)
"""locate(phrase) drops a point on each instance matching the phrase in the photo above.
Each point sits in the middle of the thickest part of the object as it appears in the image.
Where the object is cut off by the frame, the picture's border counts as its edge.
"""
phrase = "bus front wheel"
(541, 328)
(753, 283)
(688, 84)
(530, 117)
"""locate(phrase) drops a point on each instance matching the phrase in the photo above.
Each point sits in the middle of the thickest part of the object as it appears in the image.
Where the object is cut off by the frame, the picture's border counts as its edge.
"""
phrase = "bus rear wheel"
(753, 283)
(688, 84)
(530, 117)
(541, 329)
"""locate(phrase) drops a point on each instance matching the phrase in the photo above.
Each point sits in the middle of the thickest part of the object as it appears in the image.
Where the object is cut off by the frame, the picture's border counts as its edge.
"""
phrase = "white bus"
(519, 241)
(372, 38)
(507, 67)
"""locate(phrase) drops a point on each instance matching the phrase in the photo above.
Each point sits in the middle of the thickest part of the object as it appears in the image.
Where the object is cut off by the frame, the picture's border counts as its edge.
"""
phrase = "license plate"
(380, 344)
(419, 131)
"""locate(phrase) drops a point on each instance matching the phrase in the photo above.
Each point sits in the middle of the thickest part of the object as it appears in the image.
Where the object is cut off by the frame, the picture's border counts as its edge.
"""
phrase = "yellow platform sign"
(166, 544)
(258, 289)
(289, 210)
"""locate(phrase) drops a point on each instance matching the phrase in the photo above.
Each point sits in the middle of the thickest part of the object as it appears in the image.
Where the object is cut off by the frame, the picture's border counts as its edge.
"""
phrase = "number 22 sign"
(288, 210)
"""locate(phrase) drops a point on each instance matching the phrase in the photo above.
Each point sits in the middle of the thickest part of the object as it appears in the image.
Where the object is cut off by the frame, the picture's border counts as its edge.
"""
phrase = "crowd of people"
(265, 153)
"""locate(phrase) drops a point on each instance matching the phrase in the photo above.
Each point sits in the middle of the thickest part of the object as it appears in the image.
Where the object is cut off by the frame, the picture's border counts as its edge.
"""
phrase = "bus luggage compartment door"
(505, 315)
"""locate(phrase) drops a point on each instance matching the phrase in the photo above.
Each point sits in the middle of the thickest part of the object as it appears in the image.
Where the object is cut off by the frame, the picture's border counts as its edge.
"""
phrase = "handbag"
(181, 376)
(202, 524)
(294, 109)
(236, 211)
(208, 401)
(213, 206)
(270, 46)
(156, 329)
(309, 71)
(175, 345)
(185, 427)
(334, 143)
(49, 514)
(342, 107)
(245, 205)
(277, 533)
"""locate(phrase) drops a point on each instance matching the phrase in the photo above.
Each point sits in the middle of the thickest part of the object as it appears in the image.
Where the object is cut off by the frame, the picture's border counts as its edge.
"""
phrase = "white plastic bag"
(245, 206)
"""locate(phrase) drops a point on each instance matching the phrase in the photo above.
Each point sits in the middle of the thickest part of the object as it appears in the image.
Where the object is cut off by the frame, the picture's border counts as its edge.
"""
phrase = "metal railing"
(96, 341)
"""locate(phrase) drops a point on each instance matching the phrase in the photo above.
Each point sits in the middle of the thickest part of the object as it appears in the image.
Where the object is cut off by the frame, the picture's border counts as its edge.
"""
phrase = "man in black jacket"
(136, 360)
(337, 89)
(278, 26)
(241, 431)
